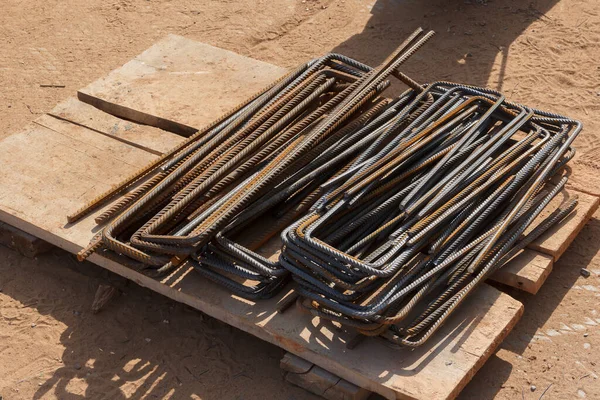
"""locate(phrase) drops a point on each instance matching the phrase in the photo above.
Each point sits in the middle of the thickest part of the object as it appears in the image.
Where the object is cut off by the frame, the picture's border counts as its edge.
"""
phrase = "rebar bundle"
(428, 211)
(390, 211)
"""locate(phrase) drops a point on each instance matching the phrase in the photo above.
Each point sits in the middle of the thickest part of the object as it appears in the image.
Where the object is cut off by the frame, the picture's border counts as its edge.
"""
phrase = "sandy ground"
(545, 53)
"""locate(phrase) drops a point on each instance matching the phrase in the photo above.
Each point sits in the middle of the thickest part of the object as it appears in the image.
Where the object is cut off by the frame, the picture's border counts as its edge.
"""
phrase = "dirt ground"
(544, 53)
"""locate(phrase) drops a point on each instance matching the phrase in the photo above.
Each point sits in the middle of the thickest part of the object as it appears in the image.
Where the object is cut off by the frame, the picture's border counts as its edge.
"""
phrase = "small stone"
(39, 383)
(533, 388)
(585, 334)
(584, 272)
(148, 340)
(76, 313)
(33, 325)
(77, 366)
(587, 346)
(165, 321)
(468, 55)
(448, 362)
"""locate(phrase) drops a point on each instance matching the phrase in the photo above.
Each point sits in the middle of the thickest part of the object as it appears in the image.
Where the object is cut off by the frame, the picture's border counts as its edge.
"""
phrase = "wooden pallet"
(316, 380)
(75, 152)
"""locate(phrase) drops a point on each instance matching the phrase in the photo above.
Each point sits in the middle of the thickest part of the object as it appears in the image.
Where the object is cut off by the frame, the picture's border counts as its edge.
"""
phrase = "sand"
(544, 53)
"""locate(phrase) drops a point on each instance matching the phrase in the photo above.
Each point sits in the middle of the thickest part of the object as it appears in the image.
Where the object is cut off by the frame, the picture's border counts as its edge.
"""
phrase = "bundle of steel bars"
(390, 211)
(271, 153)
(429, 210)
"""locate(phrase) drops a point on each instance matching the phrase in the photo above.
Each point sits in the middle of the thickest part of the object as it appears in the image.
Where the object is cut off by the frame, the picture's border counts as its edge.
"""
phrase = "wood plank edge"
(319, 381)
(521, 283)
(136, 116)
(261, 333)
(127, 142)
(565, 245)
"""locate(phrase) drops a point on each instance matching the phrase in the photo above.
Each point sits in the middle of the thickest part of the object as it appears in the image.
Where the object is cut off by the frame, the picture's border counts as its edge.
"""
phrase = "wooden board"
(26, 206)
(54, 166)
(146, 137)
(26, 244)
(193, 85)
(51, 171)
(527, 271)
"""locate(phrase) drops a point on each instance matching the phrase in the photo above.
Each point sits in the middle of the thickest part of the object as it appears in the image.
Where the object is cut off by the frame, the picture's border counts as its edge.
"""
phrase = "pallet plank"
(527, 271)
(318, 381)
(26, 244)
(56, 166)
(295, 364)
(143, 136)
(460, 347)
(179, 85)
(50, 172)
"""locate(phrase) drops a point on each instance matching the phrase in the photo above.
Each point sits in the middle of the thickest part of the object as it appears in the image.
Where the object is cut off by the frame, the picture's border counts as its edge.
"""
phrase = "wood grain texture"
(146, 137)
